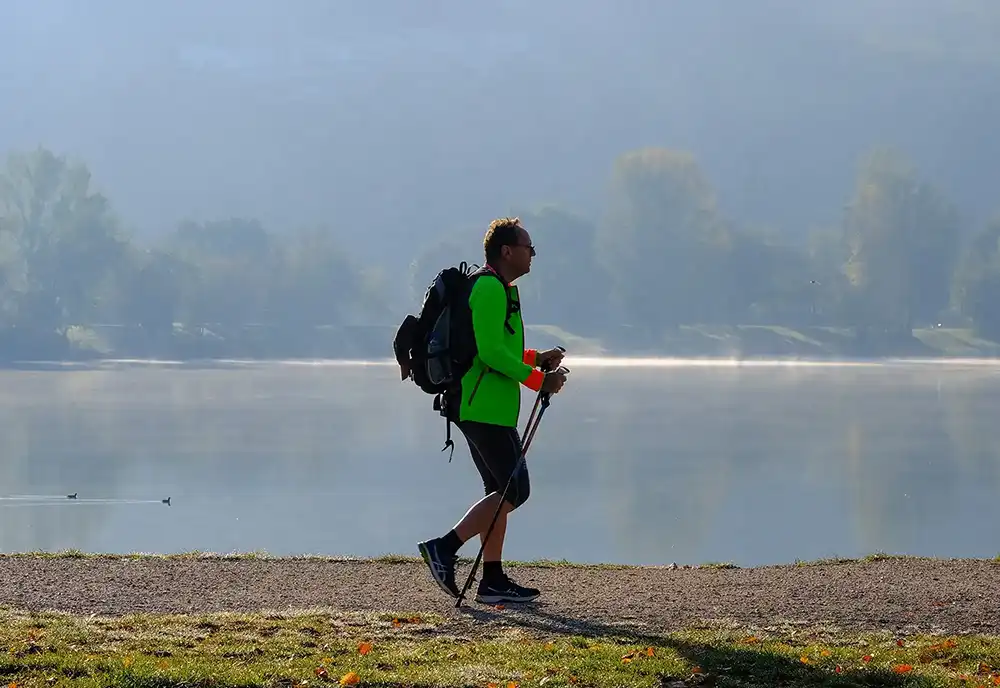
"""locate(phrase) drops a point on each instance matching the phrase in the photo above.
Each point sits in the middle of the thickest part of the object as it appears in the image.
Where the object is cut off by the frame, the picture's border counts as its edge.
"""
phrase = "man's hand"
(549, 359)
(553, 382)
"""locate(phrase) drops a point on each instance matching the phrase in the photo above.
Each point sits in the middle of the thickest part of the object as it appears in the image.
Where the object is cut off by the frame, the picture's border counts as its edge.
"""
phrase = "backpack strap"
(512, 306)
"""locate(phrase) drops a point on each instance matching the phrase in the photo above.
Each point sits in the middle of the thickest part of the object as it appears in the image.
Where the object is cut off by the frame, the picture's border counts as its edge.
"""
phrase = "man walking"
(488, 413)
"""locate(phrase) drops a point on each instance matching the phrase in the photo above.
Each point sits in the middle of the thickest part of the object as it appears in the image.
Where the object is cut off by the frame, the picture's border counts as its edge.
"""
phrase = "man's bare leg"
(477, 521)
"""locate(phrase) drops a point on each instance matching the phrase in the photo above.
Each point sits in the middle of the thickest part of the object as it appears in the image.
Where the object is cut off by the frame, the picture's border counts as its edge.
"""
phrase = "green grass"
(407, 648)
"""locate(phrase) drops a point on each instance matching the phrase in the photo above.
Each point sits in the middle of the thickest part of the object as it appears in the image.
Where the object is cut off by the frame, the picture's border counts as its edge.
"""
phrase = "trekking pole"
(541, 403)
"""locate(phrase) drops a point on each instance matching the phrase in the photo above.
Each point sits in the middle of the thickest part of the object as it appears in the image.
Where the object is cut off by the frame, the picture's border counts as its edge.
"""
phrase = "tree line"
(660, 255)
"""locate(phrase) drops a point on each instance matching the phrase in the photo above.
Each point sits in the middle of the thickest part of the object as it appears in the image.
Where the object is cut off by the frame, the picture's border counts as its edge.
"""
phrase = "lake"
(634, 462)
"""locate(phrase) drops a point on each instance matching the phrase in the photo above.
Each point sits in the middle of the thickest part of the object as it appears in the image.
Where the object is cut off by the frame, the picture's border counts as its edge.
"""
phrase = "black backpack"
(439, 345)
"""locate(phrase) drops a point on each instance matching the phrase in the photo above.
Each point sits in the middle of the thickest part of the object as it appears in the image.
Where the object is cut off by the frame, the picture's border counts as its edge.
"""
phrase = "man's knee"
(519, 492)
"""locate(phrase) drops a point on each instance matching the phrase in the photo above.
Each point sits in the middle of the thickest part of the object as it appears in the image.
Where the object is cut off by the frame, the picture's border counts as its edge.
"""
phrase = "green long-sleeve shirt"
(491, 388)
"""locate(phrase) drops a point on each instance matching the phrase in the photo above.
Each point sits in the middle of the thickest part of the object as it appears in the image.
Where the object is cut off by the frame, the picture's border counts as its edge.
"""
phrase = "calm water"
(635, 464)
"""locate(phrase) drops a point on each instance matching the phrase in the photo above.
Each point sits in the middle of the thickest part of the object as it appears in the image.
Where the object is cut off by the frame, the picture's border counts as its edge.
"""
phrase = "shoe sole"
(425, 553)
(495, 599)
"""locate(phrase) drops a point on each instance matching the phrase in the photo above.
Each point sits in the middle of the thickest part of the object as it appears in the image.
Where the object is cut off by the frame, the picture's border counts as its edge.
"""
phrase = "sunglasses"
(530, 248)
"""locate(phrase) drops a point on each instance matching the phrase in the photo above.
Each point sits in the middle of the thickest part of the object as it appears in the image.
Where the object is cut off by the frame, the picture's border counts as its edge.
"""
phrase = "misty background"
(271, 179)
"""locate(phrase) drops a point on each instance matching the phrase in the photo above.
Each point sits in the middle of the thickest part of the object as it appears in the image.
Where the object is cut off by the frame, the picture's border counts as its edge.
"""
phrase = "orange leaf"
(499, 606)
(511, 685)
(899, 642)
(751, 639)
(902, 668)
(320, 671)
(550, 646)
(649, 652)
(365, 648)
(866, 658)
(696, 670)
(804, 659)
(492, 685)
(11, 685)
(825, 653)
(350, 679)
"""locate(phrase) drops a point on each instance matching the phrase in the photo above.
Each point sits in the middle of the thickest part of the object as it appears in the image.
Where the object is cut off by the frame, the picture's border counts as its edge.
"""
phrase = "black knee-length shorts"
(496, 450)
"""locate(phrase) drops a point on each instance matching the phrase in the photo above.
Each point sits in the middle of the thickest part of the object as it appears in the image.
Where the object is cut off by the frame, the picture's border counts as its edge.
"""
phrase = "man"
(488, 413)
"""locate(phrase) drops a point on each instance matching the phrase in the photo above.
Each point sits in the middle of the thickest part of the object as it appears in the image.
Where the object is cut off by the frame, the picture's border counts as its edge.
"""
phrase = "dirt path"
(902, 595)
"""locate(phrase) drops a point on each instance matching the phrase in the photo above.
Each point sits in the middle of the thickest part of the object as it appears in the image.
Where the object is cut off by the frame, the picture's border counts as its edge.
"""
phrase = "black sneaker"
(441, 564)
(504, 590)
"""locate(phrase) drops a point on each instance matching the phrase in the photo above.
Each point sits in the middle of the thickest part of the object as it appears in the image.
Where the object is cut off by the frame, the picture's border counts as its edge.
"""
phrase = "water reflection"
(652, 464)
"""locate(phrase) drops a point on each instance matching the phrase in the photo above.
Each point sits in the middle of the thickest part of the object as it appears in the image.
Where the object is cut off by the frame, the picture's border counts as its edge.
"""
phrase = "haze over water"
(647, 462)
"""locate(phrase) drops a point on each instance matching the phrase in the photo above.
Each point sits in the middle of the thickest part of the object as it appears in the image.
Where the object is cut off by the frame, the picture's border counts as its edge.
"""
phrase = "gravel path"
(901, 595)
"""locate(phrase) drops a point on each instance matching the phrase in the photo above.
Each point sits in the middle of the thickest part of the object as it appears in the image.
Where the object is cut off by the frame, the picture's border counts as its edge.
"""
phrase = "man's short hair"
(501, 232)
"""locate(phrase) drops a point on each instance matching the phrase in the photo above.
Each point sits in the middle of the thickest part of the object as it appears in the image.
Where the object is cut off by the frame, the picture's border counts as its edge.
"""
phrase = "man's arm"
(488, 302)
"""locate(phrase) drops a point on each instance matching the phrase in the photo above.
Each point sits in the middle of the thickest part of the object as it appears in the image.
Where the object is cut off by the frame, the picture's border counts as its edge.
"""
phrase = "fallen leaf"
(550, 646)
(750, 640)
(492, 685)
(996, 680)
(365, 648)
(866, 658)
(649, 652)
(321, 672)
(804, 659)
(825, 653)
(499, 606)
(839, 669)
(350, 679)
(696, 670)
(899, 643)
(326, 660)
(512, 684)
(902, 668)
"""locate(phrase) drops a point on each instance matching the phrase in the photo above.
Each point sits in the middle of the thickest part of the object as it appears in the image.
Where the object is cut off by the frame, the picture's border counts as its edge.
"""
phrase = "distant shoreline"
(201, 347)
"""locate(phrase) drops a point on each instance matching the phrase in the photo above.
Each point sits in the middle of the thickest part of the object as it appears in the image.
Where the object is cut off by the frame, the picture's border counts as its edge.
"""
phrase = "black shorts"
(496, 450)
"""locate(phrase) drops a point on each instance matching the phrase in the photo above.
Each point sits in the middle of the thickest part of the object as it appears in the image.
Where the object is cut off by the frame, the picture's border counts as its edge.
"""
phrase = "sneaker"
(504, 590)
(441, 564)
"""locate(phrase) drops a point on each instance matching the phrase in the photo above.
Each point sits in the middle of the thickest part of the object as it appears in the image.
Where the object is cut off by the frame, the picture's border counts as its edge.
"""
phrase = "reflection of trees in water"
(911, 459)
(677, 445)
(661, 493)
(148, 433)
(967, 404)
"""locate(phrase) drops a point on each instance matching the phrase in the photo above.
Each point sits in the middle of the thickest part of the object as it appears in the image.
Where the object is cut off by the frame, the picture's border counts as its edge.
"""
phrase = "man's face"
(520, 254)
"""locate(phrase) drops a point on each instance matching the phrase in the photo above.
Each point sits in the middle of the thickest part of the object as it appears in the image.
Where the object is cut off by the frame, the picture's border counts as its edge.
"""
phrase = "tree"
(977, 282)
(58, 238)
(663, 242)
(903, 238)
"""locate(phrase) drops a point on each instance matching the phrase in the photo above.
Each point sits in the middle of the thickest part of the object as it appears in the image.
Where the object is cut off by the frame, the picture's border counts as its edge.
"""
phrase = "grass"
(314, 648)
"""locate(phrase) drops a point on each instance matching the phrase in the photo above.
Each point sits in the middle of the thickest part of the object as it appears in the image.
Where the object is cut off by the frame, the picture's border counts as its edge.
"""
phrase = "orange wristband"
(535, 380)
